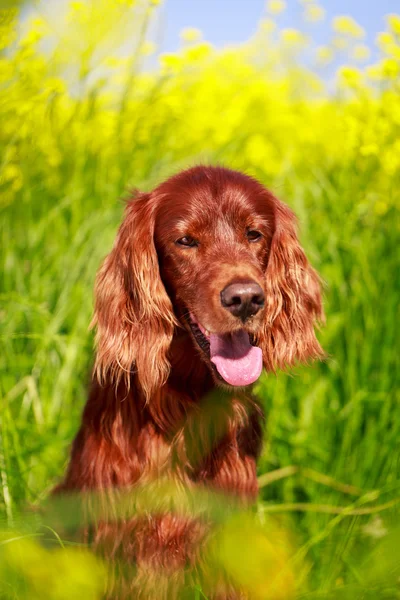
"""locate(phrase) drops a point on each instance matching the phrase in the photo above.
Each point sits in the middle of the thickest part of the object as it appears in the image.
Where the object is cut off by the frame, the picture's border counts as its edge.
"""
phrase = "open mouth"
(235, 357)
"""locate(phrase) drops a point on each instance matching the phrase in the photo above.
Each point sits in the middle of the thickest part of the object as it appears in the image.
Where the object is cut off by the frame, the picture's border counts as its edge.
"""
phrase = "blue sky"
(234, 21)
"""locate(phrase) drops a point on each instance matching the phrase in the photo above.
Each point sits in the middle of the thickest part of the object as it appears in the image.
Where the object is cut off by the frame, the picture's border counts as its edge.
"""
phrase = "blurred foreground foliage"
(86, 113)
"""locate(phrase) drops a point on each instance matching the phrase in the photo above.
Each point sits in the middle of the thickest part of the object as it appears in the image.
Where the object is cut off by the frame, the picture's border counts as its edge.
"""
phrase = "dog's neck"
(189, 374)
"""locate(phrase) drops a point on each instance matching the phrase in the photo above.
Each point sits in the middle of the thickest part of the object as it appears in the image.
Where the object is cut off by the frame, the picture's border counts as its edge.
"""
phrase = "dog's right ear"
(133, 313)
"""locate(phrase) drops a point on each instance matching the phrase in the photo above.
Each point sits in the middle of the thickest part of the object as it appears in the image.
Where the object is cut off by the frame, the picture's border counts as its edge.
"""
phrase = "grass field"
(80, 125)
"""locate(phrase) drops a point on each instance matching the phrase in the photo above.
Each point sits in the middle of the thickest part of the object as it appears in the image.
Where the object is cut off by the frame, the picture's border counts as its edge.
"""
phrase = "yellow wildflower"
(10, 172)
(170, 61)
(275, 7)
(325, 54)
(361, 52)
(197, 52)
(349, 75)
(374, 71)
(314, 13)
(191, 34)
(265, 571)
(369, 150)
(293, 37)
(384, 39)
(394, 23)
(55, 85)
(348, 26)
(390, 67)
(267, 25)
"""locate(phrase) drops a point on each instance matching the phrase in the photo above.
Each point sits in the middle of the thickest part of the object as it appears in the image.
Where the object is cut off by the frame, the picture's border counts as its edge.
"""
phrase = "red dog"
(206, 284)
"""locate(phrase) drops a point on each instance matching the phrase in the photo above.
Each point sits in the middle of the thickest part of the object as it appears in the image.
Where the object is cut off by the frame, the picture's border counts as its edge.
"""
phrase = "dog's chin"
(233, 358)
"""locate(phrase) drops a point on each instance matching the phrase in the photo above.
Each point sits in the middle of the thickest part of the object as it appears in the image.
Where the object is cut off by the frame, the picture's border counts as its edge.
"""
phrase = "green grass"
(330, 470)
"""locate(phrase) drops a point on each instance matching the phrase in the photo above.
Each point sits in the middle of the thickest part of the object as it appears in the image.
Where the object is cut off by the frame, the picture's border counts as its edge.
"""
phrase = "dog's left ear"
(133, 315)
(293, 297)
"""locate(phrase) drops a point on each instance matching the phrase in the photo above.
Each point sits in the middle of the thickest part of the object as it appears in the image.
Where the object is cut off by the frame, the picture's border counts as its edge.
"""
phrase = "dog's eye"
(253, 235)
(187, 241)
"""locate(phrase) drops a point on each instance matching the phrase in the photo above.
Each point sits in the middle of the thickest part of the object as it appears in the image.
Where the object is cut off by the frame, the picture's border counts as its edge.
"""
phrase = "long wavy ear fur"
(293, 298)
(133, 313)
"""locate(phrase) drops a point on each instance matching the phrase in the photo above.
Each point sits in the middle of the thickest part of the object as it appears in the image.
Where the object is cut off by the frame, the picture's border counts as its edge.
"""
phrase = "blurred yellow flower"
(348, 26)
(170, 61)
(360, 52)
(77, 6)
(369, 150)
(43, 573)
(275, 7)
(340, 43)
(264, 569)
(384, 39)
(191, 34)
(112, 62)
(267, 25)
(390, 67)
(349, 75)
(10, 173)
(314, 13)
(393, 22)
(293, 37)
(197, 52)
(40, 23)
(325, 54)
(55, 85)
(260, 153)
(31, 38)
(374, 71)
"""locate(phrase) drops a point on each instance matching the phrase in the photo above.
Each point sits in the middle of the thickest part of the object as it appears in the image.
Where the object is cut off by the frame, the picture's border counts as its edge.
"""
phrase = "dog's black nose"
(243, 299)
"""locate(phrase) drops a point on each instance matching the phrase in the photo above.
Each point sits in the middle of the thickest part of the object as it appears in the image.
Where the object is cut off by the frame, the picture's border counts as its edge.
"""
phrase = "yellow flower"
(348, 26)
(384, 39)
(77, 6)
(112, 62)
(361, 52)
(264, 570)
(314, 13)
(369, 150)
(388, 44)
(325, 54)
(394, 23)
(275, 7)
(374, 72)
(349, 76)
(390, 67)
(191, 34)
(198, 52)
(10, 173)
(267, 25)
(55, 85)
(293, 37)
(170, 61)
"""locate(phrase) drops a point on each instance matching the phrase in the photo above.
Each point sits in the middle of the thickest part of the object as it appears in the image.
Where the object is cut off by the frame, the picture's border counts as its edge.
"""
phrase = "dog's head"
(213, 251)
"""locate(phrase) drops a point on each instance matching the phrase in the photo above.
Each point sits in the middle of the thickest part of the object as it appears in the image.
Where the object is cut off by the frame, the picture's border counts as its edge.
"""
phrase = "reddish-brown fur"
(156, 408)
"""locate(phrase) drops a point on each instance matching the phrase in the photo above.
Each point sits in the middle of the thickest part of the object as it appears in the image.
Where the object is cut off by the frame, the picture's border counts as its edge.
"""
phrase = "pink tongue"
(237, 361)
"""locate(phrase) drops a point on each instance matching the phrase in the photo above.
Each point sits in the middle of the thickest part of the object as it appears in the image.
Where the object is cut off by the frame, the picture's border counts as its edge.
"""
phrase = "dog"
(206, 286)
